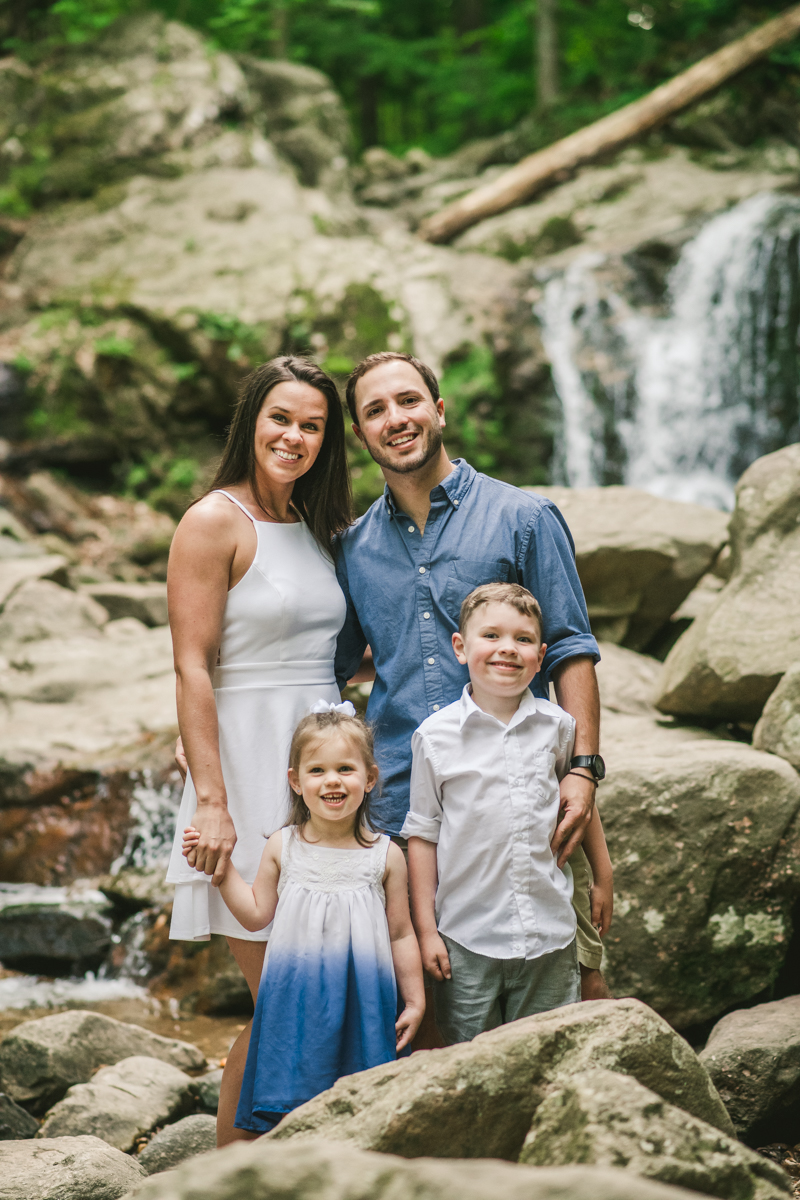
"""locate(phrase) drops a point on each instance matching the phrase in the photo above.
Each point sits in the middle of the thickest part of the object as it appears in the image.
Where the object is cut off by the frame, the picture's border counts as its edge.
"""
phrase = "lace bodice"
(324, 869)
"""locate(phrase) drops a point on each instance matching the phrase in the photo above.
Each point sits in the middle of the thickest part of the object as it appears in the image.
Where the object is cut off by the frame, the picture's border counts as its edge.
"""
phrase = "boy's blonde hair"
(501, 593)
(315, 727)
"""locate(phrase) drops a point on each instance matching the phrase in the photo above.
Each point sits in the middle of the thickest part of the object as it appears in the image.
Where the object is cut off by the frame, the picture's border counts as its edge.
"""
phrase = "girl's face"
(332, 777)
(289, 432)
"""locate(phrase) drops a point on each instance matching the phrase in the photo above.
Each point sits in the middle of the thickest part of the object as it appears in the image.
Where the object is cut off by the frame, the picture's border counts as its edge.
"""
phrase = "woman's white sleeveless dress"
(276, 655)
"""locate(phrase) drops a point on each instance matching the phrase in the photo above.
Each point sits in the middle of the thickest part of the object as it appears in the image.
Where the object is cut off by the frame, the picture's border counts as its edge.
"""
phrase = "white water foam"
(29, 991)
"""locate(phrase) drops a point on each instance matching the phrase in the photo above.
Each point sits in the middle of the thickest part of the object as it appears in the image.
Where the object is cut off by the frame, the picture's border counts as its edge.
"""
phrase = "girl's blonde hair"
(314, 727)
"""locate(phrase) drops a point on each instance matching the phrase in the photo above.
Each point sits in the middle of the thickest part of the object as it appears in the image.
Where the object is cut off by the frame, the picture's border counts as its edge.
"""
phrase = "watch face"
(599, 767)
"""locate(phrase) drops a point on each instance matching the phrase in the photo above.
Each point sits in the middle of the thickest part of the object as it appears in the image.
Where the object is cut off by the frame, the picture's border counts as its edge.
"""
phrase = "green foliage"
(471, 392)
(166, 481)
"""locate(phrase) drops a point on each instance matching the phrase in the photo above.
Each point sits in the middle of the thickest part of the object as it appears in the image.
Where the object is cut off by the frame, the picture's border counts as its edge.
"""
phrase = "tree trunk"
(546, 53)
(521, 182)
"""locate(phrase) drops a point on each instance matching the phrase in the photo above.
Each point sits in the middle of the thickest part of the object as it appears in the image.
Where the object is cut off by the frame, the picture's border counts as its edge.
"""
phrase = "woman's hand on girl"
(407, 1024)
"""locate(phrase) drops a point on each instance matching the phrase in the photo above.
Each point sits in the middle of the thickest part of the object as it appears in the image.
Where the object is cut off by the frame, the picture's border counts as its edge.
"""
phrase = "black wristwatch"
(592, 762)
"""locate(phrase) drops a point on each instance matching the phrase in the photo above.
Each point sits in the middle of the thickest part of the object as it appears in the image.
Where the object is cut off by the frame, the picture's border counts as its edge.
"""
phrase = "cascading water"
(679, 404)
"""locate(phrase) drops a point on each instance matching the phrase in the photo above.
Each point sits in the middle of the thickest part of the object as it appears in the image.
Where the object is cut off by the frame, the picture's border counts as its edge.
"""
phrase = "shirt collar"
(468, 707)
(453, 488)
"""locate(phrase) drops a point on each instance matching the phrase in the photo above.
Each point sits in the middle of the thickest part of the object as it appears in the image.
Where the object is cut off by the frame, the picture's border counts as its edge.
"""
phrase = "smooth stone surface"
(627, 680)
(123, 1102)
(147, 602)
(609, 1120)
(15, 1122)
(40, 1059)
(175, 1143)
(729, 661)
(41, 609)
(638, 555)
(209, 1086)
(753, 1056)
(476, 1100)
(317, 1170)
(778, 729)
(68, 1168)
(14, 572)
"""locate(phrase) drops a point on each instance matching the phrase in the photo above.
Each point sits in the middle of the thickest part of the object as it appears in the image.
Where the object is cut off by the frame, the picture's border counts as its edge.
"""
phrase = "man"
(440, 530)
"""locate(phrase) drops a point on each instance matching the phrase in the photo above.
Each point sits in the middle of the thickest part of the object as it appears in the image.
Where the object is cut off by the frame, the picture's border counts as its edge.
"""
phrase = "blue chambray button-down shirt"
(404, 592)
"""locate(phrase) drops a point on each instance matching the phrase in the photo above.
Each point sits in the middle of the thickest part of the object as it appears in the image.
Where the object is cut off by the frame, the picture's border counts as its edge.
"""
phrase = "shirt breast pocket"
(466, 574)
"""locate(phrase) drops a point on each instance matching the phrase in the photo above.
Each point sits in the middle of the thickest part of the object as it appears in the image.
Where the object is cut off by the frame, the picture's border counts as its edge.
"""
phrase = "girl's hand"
(601, 896)
(435, 958)
(191, 837)
(407, 1025)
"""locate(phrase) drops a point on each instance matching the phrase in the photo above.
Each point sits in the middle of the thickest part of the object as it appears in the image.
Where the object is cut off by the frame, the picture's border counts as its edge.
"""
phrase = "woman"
(255, 611)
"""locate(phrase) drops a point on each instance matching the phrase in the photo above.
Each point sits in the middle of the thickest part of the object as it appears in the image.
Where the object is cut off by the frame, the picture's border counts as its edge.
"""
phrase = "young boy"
(491, 908)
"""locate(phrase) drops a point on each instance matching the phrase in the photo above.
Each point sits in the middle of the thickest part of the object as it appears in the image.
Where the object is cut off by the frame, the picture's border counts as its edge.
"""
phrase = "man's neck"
(412, 492)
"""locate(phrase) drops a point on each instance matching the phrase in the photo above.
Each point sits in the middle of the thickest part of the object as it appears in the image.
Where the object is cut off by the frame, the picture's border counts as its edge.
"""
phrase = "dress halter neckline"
(247, 513)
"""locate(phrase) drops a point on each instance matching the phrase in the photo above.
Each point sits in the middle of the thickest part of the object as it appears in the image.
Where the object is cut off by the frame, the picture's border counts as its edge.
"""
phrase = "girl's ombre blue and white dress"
(327, 1001)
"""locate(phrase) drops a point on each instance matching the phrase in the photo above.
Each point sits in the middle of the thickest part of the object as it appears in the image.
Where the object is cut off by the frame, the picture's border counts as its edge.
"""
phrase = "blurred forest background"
(436, 73)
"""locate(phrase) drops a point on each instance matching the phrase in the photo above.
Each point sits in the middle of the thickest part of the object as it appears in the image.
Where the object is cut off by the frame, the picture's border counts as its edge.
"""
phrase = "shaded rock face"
(753, 1056)
(41, 1059)
(44, 929)
(70, 1168)
(338, 1171)
(173, 1145)
(15, 1122)
(610, 1120)
(477, 1099)
(730, 660)
(778, 729)
(638, 556)
(122, 1102)
(146, 602)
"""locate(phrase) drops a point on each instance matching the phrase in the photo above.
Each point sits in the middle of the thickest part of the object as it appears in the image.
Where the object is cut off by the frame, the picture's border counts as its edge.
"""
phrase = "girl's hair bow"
(322, 706)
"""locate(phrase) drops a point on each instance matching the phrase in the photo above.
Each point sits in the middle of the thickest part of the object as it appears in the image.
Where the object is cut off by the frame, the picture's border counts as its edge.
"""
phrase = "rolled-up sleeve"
(351, 643)
(424, 817)
(549, 571)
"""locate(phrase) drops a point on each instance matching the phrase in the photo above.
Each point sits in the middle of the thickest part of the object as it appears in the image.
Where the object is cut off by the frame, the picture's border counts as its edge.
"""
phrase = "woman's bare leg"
(250, 960)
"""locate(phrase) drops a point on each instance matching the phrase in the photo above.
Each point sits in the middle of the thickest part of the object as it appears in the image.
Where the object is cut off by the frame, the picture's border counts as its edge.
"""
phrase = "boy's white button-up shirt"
(488, 794)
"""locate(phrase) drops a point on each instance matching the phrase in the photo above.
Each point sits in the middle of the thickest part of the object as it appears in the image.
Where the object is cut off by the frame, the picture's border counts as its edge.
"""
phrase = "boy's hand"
(407, 1025)
(602, 900)
(435, 958)
(191, 837)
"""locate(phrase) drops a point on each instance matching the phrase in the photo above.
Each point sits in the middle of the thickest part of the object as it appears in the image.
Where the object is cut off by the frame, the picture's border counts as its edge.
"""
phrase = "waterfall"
(680, 401)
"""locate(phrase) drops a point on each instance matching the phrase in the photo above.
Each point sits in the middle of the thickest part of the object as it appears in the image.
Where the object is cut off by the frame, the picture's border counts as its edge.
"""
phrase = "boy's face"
(502, 649)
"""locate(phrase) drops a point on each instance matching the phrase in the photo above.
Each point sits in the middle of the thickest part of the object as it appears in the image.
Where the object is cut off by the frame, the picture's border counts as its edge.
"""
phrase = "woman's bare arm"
(212, 548)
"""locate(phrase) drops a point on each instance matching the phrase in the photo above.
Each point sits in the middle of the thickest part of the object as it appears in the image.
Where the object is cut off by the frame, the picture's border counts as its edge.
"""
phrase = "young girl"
(327, 1002)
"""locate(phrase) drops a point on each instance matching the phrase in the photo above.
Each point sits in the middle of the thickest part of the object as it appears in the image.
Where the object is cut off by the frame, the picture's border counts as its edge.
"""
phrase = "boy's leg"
(468, 1004)
(540, 984)
(590, 945)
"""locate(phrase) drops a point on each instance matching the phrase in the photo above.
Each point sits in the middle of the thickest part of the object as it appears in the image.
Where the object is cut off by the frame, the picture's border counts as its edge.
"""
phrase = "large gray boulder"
(778, 729)
(123, 1102)
(40, 1059)
(68, 1168)
(609, 1120)
(175, 1143)
(53, 929)
(729, 661)
(147, 602)
(704, 837)
(315, 1169)
(627, 680)
(638, 556)
(477, 1099)
(753, 1056)
(41, 609)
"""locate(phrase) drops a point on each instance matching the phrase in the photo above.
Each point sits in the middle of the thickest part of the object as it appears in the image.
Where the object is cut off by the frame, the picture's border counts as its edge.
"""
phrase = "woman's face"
(289, 432)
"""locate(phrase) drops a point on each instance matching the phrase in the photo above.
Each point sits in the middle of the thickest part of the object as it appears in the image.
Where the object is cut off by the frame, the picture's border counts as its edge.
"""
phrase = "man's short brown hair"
(501, 593)
(376, 360)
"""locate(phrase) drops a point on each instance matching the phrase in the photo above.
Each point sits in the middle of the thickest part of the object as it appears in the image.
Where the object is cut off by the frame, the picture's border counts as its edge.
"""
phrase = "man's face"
(399, 422)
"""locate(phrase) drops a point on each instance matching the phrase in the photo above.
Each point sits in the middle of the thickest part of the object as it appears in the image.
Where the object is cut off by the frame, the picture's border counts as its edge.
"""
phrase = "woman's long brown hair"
(322, 496)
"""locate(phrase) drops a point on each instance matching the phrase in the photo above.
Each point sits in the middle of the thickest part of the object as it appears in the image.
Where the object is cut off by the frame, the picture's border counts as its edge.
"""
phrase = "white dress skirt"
(276, 656)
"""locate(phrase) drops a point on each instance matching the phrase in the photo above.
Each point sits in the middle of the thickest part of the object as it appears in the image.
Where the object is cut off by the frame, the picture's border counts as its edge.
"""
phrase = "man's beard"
(430, 448)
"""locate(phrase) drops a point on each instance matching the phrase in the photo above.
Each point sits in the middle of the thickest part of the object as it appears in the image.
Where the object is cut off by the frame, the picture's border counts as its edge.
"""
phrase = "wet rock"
(731, 659)
(610, 1120)
(193, 1135)
(704, 837)
(40, 1059)
(41, 609)
(638, 556)
(753, 1056)
(53, 930)
(778, 729)
(123, 1102)
(147, 602)
(209, 1086)
(68, 1168)
(15, 1122)
(477, 1099)
(341, 1172)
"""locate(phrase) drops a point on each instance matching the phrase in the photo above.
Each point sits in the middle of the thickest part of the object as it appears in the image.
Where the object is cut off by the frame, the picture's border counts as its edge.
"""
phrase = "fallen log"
(531, 174)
